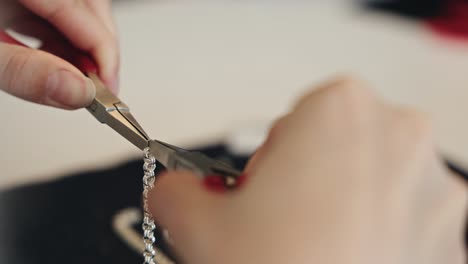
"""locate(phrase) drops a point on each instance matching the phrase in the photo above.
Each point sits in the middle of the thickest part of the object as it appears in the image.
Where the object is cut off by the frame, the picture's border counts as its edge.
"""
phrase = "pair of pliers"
(110, 110)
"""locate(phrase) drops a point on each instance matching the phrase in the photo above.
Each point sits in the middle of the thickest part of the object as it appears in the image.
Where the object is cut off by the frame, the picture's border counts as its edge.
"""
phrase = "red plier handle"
(78, 58)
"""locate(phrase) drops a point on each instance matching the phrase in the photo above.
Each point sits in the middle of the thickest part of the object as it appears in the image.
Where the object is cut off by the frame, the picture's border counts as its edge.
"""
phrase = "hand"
(343, 178)
(39, 76)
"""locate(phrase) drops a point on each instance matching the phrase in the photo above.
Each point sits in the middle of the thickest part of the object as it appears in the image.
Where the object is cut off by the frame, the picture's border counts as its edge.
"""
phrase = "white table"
(191, 72)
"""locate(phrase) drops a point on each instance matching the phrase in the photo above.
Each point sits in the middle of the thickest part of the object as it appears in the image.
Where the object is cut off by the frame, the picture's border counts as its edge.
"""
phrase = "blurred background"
(197, 73)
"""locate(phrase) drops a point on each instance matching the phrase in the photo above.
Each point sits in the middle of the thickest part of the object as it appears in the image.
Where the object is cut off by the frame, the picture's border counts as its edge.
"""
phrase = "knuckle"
(58, 8)
(347, 80)
(349, 98)
(418, 125)
(343, 91)
(21, 76)
(349, 91)
(413, 130)
(14, 65)
(50, 9)
(346, 102)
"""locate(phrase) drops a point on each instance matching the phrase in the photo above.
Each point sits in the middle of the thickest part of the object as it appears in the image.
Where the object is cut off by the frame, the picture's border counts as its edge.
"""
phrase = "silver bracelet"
(148, 222)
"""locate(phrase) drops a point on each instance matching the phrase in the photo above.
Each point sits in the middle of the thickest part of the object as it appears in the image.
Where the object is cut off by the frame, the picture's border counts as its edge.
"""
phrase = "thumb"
(39, 77)
(181, 204)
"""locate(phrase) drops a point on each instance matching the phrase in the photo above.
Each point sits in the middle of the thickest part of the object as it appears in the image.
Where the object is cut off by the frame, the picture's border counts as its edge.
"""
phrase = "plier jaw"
(175, 158)
(109, 109)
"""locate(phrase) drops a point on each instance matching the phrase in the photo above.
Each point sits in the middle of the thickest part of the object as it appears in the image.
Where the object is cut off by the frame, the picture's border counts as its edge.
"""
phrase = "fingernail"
(109, 71)
(114, 85)
(218, 184)
(69, 90)
(214, 183)
(240, 181)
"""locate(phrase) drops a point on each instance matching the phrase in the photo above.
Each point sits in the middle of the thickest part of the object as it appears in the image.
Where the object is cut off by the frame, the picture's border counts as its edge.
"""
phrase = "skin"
(343, 178)
(41, 77)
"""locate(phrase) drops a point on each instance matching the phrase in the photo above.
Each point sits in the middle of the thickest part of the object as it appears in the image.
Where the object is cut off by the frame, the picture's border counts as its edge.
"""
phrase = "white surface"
(191, 72)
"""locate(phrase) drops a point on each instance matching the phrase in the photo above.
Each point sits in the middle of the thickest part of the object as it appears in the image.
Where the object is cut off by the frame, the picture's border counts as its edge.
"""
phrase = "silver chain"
(148, 223)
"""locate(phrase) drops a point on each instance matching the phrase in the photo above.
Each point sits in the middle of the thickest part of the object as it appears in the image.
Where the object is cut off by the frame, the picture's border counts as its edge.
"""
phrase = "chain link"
(148, 225)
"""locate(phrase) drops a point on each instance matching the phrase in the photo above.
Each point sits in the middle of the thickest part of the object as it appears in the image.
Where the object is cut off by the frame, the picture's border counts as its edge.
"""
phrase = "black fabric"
(410, 8)
(70, 220)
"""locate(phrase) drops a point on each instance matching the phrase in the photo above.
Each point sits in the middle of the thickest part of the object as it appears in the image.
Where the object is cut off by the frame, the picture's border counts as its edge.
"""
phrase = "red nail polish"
(217, 183)
(240, 181)
(214, 183)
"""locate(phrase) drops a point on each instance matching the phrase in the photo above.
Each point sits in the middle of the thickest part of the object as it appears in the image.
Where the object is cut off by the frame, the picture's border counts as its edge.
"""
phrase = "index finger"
(80, 24)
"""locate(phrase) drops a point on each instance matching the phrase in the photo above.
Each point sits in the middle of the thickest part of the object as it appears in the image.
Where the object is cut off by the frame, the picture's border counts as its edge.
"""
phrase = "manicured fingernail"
(214, 183)
(240, 181)
(219, 184)
(69, 90)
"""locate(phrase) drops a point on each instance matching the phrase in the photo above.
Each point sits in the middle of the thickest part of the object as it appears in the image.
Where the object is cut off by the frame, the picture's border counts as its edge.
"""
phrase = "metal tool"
(109, 109)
